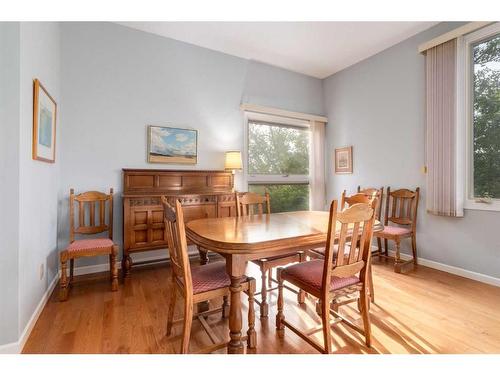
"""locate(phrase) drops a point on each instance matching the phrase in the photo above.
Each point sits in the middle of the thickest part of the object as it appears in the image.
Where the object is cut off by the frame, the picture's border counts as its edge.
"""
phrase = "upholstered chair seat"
(92, 244)
(396, 231)
(209, 277)
(320, 252)
(311, 274)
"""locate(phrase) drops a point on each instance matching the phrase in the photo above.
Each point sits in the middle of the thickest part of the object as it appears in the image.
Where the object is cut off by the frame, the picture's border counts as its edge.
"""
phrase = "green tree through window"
(486, 117)
(277, 149)
(278, 152)
(284, 197)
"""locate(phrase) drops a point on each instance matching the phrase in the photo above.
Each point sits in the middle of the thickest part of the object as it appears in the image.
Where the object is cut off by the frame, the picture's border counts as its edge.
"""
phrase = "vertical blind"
(441, 127)
(317, 172)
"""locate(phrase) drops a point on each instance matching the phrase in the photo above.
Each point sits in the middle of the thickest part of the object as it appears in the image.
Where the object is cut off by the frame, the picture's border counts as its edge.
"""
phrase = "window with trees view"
(486, 117)
(278, 162)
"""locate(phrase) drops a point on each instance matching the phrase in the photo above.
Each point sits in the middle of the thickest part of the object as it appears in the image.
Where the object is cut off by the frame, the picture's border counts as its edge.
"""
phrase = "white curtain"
(441, 128)
(317, 166)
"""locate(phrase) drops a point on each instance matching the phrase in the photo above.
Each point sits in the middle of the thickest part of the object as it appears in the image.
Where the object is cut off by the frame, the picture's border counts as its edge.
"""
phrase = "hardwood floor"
(424, 311)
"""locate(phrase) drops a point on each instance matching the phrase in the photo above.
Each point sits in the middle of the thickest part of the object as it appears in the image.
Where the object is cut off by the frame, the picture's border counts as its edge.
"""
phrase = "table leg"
(235, 268)
(203, 256)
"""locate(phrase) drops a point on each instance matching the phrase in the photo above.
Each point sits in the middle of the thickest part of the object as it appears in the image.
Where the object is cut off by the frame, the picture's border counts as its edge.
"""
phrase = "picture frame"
(170, 145)
(44, 124)
(343, 160)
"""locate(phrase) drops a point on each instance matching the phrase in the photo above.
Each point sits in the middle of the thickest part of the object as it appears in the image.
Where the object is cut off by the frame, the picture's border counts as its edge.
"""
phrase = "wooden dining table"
(241, 239)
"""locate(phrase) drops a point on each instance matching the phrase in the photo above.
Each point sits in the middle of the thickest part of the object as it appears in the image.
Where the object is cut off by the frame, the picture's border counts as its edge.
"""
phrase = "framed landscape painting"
(343, 160)
(172, 145)
(44, 124)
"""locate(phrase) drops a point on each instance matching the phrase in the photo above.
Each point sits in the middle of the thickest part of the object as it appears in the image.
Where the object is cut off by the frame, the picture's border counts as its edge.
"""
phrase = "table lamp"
(233, 161)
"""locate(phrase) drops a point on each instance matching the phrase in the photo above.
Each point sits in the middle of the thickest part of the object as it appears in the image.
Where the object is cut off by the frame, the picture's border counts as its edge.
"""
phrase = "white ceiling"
(318, 49)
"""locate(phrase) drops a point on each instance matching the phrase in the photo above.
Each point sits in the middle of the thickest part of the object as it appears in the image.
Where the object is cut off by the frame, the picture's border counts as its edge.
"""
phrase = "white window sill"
(472, 205)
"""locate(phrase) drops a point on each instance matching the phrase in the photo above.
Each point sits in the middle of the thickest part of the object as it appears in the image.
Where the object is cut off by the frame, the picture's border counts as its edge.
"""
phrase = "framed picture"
(172, 145)
(44, 124)
(343, 160)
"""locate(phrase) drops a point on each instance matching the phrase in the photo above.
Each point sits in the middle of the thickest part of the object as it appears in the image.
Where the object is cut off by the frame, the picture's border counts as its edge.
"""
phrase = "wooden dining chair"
(348, 201)
(379, 194)
(345, 201)
(401, 209)
(252, 204)
(334, 277)
(89, 247)
(198, 284)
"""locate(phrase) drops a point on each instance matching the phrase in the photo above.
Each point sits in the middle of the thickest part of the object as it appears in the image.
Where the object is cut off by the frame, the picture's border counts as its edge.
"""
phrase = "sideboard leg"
(126, 265)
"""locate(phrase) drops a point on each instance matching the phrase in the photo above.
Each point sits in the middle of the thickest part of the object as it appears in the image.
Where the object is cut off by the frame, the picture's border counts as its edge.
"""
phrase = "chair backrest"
(177, 244)
(353, 199)
(379, 194)
(401, 207)
(354, 228)
(90, 201)
(247, 202)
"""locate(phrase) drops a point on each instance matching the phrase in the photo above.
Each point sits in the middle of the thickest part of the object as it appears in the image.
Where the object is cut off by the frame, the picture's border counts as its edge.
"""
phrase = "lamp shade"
(233, 160)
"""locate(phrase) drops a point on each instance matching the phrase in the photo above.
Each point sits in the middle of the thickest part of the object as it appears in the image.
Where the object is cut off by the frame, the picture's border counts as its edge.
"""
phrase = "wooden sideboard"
(202, 194)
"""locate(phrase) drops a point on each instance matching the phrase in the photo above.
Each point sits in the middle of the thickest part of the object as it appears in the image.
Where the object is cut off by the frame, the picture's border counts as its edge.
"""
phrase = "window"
(481, 51)
(486, 117)
(278, 162)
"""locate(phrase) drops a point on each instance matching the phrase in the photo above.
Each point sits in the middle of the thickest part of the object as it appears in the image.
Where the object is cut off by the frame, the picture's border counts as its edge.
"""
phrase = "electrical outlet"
(42, 270)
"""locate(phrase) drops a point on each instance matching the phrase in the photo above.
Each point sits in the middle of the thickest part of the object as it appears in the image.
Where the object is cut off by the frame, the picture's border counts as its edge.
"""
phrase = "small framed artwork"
(44, 124)
(172, 145)
(343, 160)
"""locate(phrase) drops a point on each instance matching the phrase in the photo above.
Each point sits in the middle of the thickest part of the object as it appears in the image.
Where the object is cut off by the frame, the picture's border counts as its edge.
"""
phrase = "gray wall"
(377, 106)
(117, 80)
(39, 181)
(9, 180)
(28, 188)
(274, 87)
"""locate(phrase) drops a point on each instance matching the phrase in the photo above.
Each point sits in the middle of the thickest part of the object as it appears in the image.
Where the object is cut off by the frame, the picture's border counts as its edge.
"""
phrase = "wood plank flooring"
(424, 311)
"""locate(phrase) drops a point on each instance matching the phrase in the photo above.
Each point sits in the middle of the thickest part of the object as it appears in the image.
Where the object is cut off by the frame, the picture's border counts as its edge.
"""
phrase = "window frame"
(250, 179)
(465, 122)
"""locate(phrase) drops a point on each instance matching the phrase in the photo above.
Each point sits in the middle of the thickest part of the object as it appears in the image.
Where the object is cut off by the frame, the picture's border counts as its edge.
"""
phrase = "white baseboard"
(11, 348)
(104, 267)
(139, 257)
(17, 347)
(453, 270)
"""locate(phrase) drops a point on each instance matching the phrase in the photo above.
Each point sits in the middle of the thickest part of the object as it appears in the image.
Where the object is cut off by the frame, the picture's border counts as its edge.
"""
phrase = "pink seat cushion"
(311, 273)
(396, 231)
(90, 244)
(277, 257)
(321, 250)
(209, 277)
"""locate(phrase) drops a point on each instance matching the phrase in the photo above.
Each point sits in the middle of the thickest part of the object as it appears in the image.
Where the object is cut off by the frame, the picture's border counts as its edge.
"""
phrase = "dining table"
(246, 238)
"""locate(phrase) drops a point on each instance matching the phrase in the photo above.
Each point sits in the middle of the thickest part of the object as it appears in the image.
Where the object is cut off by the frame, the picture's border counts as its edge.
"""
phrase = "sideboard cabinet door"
(144, 225)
